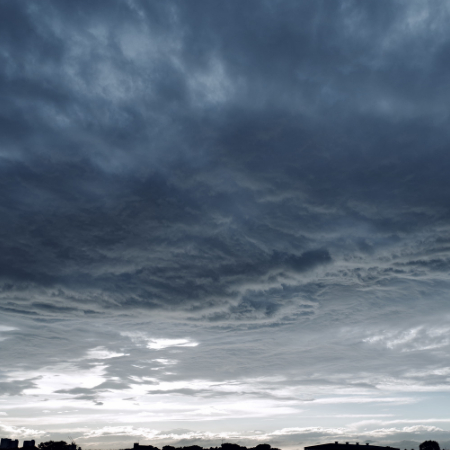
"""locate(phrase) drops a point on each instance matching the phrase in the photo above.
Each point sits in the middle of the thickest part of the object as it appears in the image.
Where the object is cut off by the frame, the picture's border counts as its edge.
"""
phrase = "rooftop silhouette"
(346, 446)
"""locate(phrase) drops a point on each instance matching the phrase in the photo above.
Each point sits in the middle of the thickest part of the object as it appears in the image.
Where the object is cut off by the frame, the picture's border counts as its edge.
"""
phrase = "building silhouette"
(136, 446)
(9, 443)
(348, 446)
(13, 444)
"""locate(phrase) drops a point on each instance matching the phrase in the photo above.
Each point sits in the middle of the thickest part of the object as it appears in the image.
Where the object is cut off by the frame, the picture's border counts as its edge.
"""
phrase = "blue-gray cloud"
(151, 166)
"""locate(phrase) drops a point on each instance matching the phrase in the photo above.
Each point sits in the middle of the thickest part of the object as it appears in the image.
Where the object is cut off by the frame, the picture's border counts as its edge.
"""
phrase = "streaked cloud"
(102, 353)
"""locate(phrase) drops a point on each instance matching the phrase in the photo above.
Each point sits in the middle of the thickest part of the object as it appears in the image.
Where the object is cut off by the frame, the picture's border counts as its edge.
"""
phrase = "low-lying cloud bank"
(285, 438)
(296, 437)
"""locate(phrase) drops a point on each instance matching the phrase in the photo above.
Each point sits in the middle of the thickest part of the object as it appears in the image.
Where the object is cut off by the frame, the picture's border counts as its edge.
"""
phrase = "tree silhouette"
(429, 445)
(57, 445)
(263, 447)
(52, 445)
(231, 446)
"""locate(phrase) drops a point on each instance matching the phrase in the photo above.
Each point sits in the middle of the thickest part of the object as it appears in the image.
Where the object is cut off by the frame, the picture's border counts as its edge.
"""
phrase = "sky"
(225, 221)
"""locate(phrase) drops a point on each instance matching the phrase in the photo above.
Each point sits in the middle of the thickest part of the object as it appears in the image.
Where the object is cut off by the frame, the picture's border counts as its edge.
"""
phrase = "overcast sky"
(225, 220)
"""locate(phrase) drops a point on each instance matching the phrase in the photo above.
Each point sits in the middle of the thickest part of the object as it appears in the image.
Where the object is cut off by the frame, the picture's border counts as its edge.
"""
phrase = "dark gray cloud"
(14, 387)
(149, 165)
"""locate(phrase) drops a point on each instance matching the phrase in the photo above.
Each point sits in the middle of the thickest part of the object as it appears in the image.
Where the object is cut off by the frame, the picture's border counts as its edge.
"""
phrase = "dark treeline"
(429, 445)
(224, 446)
(58, 445)
(62, 445)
